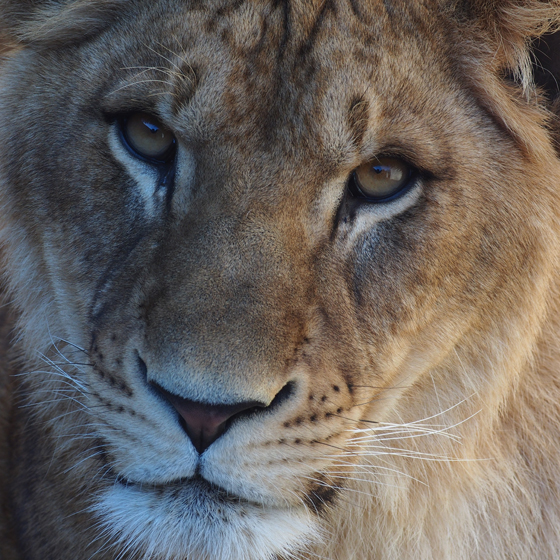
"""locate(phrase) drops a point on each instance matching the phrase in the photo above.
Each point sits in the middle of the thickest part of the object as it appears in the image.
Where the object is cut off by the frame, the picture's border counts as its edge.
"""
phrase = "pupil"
(378, 169)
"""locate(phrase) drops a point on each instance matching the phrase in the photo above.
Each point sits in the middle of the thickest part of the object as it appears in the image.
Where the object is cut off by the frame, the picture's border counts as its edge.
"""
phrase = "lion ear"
(509, 28)
(514, 19)
(498, 42)
(55, 22)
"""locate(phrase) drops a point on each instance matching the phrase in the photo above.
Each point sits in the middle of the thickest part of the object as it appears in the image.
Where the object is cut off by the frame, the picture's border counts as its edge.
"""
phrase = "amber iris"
(148, 137)
(382, 178)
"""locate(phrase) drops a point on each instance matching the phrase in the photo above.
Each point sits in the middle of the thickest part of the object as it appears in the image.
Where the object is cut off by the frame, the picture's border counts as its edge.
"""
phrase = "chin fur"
(198, 521)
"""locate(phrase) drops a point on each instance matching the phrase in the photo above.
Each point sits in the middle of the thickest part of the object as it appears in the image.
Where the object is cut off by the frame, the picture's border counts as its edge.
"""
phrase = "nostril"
(283, 395)
(204, 423)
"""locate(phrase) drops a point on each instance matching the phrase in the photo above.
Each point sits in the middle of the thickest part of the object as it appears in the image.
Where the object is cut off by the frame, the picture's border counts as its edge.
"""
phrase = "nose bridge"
(230, 312)
(247, 264)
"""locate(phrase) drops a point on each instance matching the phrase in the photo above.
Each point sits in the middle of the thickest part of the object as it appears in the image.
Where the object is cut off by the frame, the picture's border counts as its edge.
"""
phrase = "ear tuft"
(499, 40)
(510, 26)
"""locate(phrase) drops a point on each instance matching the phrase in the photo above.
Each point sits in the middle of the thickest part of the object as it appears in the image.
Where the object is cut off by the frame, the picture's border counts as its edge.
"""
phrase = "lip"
(197, 483)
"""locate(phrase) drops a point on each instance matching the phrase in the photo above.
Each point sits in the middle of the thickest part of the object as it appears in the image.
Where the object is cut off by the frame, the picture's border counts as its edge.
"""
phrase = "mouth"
(191, 487)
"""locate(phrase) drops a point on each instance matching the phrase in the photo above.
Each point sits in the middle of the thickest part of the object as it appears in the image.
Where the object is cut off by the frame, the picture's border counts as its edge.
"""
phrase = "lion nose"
(205, 423)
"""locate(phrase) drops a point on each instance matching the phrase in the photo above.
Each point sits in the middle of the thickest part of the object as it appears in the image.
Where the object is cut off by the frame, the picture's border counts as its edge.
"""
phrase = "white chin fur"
(188, 522)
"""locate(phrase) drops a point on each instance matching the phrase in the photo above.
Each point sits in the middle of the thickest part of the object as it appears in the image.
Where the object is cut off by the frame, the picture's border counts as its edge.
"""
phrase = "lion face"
(268, 232)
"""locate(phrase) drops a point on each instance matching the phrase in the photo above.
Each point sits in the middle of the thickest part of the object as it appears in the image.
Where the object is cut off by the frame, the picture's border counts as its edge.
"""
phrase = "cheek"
(387, 295)
(388, 280)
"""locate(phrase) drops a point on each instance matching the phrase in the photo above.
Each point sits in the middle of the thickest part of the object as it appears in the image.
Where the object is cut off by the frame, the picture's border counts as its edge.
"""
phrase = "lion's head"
(286, 265)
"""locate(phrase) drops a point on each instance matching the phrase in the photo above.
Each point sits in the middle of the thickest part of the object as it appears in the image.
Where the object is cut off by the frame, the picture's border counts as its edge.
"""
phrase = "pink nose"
(205, 423)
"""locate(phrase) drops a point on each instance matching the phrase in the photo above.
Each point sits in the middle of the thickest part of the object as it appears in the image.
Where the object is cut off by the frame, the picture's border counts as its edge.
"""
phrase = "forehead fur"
(52, 23)
(506, 22)
(506, 27)
(59, 23)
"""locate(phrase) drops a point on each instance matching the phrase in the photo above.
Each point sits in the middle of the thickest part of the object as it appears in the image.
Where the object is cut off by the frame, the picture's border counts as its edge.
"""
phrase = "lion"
(280, 280)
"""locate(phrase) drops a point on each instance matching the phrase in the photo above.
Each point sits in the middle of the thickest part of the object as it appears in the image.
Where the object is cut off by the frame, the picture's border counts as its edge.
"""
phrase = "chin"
(195, 520)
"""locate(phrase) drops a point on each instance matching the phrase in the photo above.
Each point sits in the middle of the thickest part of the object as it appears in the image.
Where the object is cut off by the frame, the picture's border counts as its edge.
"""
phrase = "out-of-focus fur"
(407, 352)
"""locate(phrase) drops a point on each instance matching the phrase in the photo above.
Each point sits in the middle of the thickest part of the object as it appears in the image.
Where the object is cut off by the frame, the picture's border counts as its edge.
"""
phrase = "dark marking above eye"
(328, 7)
(187, 81)
(358, 118)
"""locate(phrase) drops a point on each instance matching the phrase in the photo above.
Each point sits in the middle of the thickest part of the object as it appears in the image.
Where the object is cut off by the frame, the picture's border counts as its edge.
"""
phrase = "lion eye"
(148, 138)
(381, 179)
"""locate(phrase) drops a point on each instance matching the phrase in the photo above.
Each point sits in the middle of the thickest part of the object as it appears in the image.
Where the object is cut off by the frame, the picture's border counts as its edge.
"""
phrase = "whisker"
(335, 487)
(137, 83)
(161, 69)
(96, 454)
(52, 401)
(359, 468)
(181, 58)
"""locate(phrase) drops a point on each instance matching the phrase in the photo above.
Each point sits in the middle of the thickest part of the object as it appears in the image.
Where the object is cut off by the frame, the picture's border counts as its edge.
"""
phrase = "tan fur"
(406, 353)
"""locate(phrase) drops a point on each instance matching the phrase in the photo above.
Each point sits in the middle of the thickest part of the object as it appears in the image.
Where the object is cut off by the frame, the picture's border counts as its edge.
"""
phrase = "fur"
(404, 354)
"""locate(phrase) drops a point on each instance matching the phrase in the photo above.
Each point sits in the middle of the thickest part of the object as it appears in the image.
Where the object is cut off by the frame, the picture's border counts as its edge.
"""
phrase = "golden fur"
(404, 354)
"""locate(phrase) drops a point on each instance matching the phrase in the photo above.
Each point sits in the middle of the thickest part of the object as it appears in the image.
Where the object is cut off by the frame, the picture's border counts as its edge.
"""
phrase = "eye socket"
(148, 138)
(381, 179)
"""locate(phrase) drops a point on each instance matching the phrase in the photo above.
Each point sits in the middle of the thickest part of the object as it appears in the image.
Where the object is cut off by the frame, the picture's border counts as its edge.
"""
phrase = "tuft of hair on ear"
(509, 28)
(56, 22)
(547, 78)
(495, 55)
